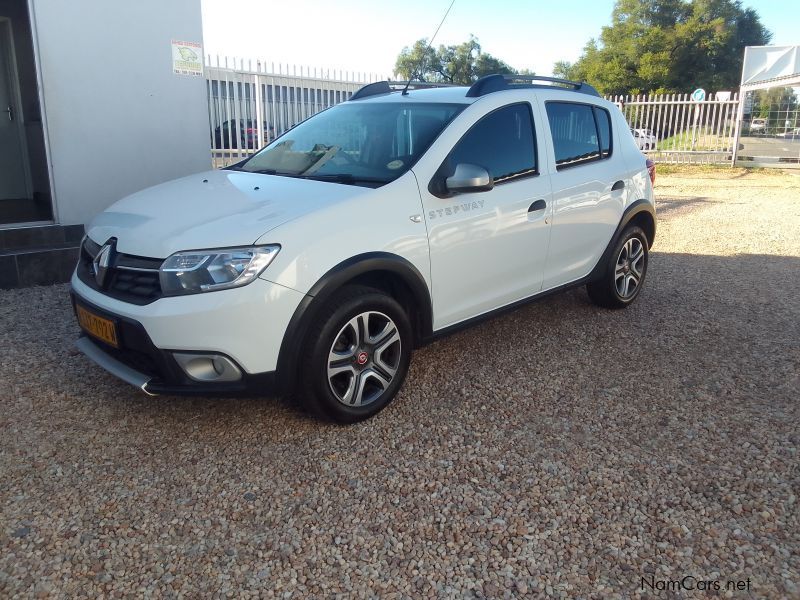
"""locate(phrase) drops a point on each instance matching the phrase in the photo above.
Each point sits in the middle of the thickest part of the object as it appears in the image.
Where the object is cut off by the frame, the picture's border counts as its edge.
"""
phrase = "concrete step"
(41, 255)
(38, 236)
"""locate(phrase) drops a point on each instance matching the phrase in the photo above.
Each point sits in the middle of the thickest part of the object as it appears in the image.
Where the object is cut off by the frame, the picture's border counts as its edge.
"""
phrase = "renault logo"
(101, 263)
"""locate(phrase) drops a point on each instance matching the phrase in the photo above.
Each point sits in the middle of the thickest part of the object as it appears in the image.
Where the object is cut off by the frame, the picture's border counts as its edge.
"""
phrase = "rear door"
(589, 188)
(487, 249)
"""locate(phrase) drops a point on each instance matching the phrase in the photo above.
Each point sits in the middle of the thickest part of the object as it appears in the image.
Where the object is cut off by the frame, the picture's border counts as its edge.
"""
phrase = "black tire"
(610, 291)
(334, 329)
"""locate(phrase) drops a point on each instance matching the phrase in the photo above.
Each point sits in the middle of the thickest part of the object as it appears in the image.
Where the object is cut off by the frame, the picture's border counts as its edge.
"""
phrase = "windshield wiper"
(269, 172)
(344, 178)
(336, 178)
(243, 170)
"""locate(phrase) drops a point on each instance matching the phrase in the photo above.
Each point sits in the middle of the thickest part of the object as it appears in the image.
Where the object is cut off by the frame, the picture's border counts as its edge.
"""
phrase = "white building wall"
(117, 118)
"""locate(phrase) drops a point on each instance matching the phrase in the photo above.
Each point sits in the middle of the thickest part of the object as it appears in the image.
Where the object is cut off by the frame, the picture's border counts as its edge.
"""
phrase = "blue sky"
(366, 36)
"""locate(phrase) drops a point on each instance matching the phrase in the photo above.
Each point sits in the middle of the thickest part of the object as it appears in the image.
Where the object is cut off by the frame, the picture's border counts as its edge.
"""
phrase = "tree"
(668, 46)
(462, 64)
(564, 69)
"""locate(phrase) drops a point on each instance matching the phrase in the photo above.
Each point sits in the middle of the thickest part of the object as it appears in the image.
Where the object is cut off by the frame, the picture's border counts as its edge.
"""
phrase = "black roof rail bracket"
(372, 89)
(495, 83)
(386, 87)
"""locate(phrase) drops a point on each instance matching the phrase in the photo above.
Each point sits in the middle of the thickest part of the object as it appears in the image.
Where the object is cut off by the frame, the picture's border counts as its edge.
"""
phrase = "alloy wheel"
(364, 358)
(629, 268)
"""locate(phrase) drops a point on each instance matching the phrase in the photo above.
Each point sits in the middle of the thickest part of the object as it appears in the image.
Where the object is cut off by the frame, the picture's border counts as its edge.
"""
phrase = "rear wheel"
(624, 274)
(356, 355)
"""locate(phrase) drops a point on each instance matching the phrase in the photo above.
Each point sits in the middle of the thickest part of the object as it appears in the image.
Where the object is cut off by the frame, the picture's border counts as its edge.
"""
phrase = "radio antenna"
(416, 74)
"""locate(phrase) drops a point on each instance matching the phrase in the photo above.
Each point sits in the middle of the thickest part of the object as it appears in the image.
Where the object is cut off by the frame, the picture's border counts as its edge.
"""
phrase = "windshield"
(357, 143)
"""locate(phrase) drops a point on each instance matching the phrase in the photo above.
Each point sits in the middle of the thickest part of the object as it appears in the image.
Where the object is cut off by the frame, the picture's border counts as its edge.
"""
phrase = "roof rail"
(495, 83)
(386, 87)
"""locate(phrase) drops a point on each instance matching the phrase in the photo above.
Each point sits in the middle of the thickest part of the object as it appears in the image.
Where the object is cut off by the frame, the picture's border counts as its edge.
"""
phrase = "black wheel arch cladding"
(353, 269)
(640, 212)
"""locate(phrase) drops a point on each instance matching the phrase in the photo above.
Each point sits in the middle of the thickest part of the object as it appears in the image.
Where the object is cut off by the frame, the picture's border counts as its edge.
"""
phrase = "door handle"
(538, 205)
(619, 185)
(10, 111)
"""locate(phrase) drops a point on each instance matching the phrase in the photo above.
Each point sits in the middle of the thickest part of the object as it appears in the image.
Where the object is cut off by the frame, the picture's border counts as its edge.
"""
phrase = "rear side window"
(502, 143)
(581, 133)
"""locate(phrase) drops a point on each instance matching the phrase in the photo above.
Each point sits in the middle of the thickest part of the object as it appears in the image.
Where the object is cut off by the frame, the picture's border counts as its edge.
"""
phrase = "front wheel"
(356, 355)
(624, 274)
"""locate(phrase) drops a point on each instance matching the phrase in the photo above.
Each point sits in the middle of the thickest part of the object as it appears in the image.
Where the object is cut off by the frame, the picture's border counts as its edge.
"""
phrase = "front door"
(488, 249)
(13, 164)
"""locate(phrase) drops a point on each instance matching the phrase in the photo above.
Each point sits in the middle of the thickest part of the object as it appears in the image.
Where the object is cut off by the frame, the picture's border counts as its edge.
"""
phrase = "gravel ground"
(561, 450)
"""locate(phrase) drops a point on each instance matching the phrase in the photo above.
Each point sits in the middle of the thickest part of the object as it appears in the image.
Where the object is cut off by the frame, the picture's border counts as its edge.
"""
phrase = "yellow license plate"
(103, 329)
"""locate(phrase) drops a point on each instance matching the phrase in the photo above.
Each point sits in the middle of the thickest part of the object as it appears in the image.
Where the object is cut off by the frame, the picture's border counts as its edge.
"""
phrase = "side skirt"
(460, 326)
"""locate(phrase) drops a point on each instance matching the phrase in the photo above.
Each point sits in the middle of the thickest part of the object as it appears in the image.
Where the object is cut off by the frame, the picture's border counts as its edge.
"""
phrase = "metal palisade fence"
(678, 129)
(251, 102)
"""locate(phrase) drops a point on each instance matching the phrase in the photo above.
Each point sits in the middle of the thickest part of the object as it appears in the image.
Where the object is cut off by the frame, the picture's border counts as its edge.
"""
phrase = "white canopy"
(770, 66)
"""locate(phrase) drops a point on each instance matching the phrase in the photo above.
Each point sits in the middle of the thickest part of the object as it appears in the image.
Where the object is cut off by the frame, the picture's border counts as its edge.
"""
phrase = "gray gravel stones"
(561, 450)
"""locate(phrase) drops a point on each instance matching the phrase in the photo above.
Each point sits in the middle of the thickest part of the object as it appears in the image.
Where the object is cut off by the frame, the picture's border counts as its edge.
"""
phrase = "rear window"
(581, 133)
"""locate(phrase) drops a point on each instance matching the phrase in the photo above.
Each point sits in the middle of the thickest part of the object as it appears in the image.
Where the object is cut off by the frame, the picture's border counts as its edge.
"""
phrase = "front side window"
(502, 142)
(356, 143)
(581, 133)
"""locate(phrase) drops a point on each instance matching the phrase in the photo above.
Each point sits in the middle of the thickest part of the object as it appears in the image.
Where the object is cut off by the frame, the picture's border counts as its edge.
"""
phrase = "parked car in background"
(226, 135)
(758, 125)
(791, 134)
(644, 138)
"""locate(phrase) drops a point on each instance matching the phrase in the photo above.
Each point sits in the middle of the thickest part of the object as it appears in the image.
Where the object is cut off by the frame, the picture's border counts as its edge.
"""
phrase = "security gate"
(675, 128)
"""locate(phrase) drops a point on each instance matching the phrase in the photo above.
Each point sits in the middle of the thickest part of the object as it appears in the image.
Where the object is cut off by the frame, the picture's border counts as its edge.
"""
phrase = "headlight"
(209, 270)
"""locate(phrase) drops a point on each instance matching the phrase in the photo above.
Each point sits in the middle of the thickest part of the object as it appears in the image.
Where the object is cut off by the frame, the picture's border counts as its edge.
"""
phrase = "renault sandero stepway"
(317, 265)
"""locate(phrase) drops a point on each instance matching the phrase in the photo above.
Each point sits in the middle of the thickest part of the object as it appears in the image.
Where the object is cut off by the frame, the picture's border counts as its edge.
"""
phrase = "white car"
(791, 134)
(644, 138)
(314, 267)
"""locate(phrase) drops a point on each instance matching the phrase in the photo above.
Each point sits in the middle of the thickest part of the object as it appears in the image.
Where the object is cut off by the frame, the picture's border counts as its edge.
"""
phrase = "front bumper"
(140, 363)
(112, 365)
(245, 325)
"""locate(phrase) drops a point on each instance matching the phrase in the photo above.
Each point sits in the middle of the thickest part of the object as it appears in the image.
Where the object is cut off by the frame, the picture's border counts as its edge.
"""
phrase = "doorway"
(25, 196)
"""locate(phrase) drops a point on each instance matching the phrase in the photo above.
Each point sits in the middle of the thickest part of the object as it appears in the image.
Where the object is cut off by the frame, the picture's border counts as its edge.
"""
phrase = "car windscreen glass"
(356, 143)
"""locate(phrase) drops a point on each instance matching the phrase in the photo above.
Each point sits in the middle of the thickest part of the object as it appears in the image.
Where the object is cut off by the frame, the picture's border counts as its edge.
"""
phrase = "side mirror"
(469, 178)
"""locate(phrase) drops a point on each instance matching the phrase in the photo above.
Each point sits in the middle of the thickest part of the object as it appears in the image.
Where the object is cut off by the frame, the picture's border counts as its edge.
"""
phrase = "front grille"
(129, 278)
(136, 360)
(136, 283)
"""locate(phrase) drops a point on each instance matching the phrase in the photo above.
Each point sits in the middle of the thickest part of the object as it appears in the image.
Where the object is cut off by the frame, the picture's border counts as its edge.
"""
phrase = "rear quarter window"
(603, 120)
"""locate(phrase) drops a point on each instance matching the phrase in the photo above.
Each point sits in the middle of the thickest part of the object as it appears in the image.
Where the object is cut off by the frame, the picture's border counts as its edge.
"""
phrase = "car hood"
(215, 209)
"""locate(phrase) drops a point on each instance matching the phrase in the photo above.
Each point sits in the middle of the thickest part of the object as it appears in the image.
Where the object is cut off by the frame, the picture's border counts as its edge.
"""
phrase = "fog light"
(208, 367)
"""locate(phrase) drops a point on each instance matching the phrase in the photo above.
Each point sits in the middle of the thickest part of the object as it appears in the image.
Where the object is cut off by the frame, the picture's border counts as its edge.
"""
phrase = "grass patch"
(703, 142)
(678, 169)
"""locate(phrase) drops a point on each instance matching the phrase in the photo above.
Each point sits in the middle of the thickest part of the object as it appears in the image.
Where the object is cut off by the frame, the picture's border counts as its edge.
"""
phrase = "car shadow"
(668, 204)
(727, 312)
(747, 300)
